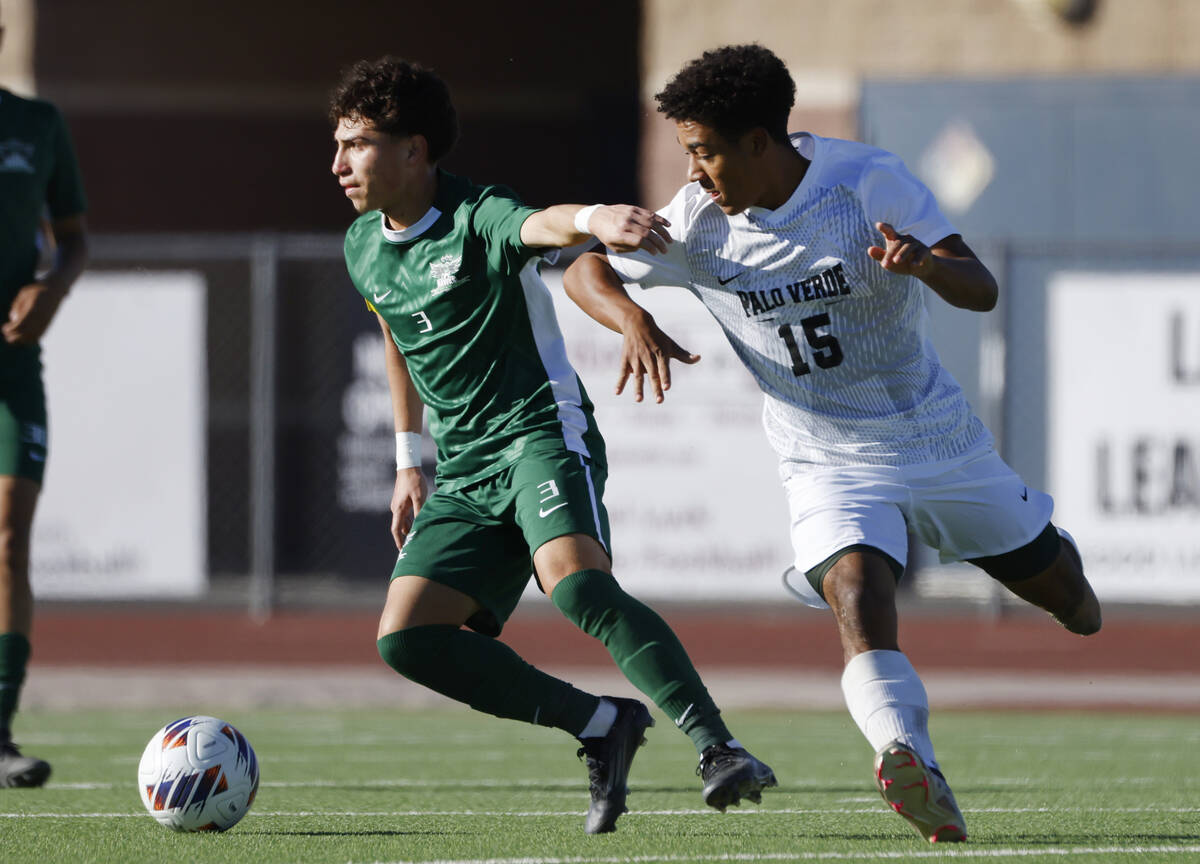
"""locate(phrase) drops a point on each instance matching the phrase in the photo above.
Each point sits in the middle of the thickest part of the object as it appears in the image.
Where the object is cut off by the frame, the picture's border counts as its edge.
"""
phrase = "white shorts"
(969, 507)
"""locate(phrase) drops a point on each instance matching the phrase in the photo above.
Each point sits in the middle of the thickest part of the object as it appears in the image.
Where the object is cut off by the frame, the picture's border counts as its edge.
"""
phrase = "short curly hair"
(398, 97)
(732, 89)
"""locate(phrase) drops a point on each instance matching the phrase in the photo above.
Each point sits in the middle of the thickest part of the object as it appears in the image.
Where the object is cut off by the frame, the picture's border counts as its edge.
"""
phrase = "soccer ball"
(198, 774)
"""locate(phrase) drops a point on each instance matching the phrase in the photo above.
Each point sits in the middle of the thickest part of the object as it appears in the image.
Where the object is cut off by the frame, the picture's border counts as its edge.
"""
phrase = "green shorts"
(480, 539)
(22, 426)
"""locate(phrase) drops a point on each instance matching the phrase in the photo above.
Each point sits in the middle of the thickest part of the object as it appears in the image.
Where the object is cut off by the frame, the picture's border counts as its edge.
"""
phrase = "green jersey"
(469, 311)
(38, 171)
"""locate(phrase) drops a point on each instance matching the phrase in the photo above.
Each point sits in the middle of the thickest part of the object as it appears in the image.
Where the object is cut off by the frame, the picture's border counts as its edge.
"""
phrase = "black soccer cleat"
(18, 770)
(608, 761)
(731, 774)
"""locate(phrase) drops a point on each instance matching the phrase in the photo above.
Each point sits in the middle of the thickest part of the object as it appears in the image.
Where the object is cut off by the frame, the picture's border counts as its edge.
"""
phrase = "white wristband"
(408, 450)
(584, 216)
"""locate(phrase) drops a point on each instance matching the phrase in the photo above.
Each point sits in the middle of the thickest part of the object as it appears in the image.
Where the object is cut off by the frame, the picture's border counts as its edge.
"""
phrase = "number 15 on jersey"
(826, 351)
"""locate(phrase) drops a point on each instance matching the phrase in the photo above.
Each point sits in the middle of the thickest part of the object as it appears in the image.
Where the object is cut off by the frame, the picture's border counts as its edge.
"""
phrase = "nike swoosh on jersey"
(721, 281)
(545, 513)
(380, 297)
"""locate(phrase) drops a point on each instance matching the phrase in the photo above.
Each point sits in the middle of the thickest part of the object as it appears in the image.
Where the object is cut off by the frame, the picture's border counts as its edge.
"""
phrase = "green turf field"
(378, 786)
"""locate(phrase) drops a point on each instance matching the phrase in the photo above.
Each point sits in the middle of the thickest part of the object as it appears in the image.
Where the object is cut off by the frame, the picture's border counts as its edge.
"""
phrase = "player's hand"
(904, 254)
(407, 499)
(30, 314)
(624, 228)
(647, 351)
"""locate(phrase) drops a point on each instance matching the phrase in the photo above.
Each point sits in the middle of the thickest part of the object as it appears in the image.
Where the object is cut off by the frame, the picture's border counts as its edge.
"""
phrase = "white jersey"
(839, 346)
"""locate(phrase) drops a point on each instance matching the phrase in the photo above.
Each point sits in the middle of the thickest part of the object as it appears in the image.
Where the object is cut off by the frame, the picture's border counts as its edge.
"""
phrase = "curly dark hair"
(398, 97)
(732, 89)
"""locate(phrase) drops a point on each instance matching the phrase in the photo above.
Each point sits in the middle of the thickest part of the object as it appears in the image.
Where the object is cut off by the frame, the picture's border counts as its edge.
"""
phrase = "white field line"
(576, 785)
(571, 784)
(814, 811)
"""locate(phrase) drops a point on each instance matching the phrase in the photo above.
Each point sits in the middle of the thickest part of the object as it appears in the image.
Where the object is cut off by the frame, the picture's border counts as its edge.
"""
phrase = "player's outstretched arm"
(950, 267)
(645, 351)
(34, 307)
(410, 490)
(621, 227)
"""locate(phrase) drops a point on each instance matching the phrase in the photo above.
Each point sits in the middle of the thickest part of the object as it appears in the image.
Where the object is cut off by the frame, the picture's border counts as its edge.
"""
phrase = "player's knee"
(12, 552)
(860, 591)
(411, 652)
(414, 601)
(592, 601)
(391, 647)
(847, 593)
(1086, 619)
(1080, 609)
(1082, 625)
(15, 591)
(857, 581)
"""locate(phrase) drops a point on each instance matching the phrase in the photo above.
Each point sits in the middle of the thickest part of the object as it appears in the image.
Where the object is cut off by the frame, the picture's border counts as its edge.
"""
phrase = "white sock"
(887, 700)
(602, 720)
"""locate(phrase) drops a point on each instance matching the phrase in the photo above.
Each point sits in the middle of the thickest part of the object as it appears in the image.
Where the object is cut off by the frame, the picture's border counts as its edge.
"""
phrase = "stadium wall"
(211, 117)
(831, 47)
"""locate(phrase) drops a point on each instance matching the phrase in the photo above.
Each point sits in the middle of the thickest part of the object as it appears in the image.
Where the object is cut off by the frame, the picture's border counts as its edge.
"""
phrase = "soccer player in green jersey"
(451, 270)
(38, 174)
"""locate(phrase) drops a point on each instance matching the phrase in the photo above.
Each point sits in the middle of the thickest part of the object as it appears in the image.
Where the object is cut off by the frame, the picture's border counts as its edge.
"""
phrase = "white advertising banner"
(693, 495)
(123, 507)
(1124, 429)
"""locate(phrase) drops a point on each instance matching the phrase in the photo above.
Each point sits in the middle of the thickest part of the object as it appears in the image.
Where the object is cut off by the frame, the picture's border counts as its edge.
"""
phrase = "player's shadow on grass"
(712, 829)
(439, 833)
(451, 787)
(1091, 838)
(781, 789)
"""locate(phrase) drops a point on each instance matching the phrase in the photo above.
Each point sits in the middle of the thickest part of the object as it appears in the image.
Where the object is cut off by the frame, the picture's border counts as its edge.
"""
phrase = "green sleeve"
(64, 192)
(497, 219)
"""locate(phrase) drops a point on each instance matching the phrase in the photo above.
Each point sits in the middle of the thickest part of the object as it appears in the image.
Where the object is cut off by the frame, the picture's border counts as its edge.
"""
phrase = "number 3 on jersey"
(827, 352)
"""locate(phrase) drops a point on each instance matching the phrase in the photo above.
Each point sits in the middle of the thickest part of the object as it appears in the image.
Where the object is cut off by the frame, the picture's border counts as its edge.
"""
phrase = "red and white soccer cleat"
(919, 794)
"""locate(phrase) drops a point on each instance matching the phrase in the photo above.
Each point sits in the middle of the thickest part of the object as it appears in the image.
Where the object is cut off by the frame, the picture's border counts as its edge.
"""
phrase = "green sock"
(14, 655)
(487, 675)
(645, 649)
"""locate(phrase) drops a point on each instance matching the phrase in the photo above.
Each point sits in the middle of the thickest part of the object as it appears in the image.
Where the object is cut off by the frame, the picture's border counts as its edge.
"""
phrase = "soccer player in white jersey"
(811, 253)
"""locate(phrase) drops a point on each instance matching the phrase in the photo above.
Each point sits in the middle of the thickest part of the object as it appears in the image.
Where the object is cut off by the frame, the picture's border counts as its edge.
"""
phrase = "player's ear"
(418, 148)
(758, 139)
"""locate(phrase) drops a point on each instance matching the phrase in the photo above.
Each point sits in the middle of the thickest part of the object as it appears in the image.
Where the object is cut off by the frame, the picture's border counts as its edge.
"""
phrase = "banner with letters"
(122, 510)
(1124, 429)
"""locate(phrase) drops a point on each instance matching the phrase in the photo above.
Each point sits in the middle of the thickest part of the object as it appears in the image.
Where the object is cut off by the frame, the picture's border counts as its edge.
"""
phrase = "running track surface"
(769, 638)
